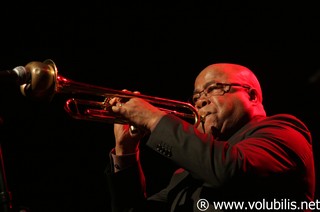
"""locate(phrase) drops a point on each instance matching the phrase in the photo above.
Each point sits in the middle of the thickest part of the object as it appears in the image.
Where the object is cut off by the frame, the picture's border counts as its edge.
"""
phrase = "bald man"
(238, 156)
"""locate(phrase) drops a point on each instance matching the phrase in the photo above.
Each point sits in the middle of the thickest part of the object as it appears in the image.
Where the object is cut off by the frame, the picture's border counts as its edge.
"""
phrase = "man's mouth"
(204, 116)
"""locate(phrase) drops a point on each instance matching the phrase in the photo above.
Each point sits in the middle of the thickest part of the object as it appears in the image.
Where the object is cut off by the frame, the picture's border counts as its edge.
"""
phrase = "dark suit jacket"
(269, 160)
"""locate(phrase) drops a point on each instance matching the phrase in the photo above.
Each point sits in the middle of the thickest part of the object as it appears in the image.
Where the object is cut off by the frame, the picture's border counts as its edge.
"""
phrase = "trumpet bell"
(41, 80)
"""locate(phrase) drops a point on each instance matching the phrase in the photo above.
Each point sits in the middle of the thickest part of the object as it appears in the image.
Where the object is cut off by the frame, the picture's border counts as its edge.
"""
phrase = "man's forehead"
(213, 74)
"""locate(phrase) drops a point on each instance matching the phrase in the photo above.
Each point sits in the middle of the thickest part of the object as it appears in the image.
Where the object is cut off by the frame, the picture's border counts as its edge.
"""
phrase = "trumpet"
(90, 102)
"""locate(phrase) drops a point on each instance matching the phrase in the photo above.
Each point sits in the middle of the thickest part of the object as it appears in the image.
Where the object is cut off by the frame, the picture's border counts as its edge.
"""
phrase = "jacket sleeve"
(262, 148)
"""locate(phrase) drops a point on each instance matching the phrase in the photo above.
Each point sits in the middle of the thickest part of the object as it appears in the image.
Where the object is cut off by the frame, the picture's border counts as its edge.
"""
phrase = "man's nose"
(202, 101)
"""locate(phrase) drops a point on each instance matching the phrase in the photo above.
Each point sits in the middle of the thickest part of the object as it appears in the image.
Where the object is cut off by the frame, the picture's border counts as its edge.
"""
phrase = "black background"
(55, 163)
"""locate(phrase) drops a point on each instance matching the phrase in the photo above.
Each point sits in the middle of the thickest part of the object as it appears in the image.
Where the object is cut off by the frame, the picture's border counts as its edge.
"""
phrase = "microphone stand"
(5, 194)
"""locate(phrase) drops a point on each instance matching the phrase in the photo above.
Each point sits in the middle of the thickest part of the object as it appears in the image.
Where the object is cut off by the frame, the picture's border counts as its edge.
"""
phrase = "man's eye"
(195, 98)
(211, 88)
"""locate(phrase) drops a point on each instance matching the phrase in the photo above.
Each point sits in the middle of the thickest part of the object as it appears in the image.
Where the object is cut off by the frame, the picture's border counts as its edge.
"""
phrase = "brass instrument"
(45, 82)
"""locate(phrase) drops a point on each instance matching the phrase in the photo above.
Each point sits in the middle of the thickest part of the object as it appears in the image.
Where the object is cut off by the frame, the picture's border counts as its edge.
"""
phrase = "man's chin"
(215, 131)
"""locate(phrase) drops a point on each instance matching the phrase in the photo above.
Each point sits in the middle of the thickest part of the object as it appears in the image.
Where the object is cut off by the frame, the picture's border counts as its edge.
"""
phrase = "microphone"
(19, 74)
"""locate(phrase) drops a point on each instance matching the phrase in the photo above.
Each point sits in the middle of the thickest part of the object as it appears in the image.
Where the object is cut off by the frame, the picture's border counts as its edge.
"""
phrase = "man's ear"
(253, 94)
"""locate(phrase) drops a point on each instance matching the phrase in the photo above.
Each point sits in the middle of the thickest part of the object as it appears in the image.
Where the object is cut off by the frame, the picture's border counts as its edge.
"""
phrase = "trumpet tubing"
(90, 102)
